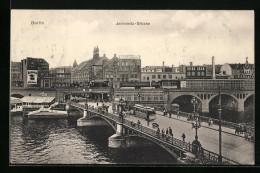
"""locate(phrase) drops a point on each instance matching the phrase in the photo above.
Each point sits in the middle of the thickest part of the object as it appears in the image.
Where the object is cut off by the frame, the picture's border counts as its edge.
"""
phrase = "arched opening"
(17, 96)
(249, 107)
(185, 105)
(229, 107)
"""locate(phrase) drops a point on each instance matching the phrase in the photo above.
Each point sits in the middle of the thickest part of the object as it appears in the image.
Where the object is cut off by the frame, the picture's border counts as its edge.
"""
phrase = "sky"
(173, 36)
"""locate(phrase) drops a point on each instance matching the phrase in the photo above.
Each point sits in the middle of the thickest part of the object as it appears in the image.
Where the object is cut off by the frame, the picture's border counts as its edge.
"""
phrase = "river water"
(60, 141)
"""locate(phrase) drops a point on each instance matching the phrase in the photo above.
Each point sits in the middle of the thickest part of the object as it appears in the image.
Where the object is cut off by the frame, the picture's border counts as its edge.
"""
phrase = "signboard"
(32, 77)
(183, 84)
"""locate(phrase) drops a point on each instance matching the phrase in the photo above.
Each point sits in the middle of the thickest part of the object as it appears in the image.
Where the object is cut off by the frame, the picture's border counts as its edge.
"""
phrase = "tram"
(144, 112)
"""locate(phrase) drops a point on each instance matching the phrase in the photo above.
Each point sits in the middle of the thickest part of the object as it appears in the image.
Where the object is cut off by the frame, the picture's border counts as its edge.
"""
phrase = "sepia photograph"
(132, 87)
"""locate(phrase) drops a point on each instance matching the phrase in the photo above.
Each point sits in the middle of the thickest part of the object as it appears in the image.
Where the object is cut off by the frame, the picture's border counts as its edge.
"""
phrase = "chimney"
(191, 64)
(213, 68)
(163, 67)
(114, 55)
(104, 55)
(172, 69)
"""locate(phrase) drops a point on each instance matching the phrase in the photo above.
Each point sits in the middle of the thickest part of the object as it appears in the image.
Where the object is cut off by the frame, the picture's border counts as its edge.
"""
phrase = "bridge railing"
(207, 119)
(207, 155)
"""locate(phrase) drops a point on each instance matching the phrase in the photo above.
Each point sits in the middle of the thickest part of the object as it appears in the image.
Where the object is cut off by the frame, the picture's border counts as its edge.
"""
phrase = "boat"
(16, 106)
(48, 113)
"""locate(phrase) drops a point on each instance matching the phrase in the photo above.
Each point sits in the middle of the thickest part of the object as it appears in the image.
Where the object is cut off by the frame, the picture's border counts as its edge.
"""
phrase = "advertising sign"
(32, 77)
(183, 84)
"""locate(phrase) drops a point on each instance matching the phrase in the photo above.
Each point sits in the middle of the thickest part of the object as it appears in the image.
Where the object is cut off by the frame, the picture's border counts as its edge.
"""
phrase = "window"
(224, 72)
(155, 97)
(170, 76)
(149, 98)
(193, 73)
(164, 76)
(144, 78)
(135, 75)
(153, 76)
(202, 73)
(147, 78)
(159, 76)
(161, 97)
(135, 98)
(188, 73)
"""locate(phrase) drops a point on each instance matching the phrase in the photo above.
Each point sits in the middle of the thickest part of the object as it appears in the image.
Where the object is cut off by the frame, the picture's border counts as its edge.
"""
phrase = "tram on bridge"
(144, 112)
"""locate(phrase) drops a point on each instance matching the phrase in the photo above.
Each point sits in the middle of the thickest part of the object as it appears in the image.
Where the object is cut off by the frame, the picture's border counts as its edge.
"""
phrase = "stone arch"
(155, 142)
(174, 95)
(96, 116)
(213, 96)
(251, 94)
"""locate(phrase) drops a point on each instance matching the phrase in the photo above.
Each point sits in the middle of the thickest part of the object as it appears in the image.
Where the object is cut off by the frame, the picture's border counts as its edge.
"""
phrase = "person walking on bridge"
(183, 137)
(163, 133)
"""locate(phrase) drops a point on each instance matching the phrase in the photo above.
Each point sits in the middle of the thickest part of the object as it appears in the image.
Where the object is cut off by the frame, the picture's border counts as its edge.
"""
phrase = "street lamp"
(219, 122)
(139, 96)
(196, 144)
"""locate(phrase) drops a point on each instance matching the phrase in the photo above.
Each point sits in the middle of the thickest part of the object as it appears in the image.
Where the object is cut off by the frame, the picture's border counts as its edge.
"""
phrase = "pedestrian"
(167, 131)
(138, 124)
(97, 104)
(170, 115)
(236, 130)
(178, 114)
(164, 112)
(183, 137)
(163, 133)
(193, 124)
(158, 132)
(170, 131)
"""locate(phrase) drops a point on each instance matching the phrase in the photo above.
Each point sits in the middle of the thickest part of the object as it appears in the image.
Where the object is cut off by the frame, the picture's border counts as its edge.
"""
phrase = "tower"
(213, 68)
(75, 63)
(96, 53)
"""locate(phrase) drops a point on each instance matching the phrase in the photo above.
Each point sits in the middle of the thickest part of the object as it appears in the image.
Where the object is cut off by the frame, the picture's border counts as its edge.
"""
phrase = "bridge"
(126, 129)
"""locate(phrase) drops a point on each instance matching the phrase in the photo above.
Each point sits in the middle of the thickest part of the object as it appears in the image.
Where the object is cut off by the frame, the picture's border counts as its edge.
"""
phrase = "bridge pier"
(205, 106)
(240, 105)
(117, 140)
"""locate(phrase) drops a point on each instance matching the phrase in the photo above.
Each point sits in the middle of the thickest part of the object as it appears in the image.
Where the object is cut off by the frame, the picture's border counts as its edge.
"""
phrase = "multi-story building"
(61, 76)
(196, 72)
(238, 71)
(35, 73)
(110, 71)
(159, 73)
(125, 68)
(16, 74)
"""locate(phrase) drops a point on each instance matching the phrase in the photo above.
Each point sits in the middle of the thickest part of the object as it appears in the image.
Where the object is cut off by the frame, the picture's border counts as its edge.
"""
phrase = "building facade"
(159, 73)
(102, 70)
(238, 71)
(16, 74)
(61, 76)
(196, 72)
(35, 73)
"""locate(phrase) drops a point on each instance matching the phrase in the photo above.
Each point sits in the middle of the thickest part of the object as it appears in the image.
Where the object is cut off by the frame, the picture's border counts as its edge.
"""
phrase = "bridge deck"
(233, 147)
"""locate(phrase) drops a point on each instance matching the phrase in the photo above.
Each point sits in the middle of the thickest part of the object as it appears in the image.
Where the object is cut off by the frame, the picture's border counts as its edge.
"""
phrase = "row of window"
(202, 73)
(196, 68)
(160, 77)
(142, 98)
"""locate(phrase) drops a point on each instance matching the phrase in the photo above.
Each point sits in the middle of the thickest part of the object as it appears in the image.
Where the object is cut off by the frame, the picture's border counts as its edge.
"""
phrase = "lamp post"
(219, 122)
(196, 144)
(139, 96)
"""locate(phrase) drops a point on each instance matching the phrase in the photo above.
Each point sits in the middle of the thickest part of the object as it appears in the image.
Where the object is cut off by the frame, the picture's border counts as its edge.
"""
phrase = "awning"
(28, 99)
(43, 99)
(33, 99)
(15, 100)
